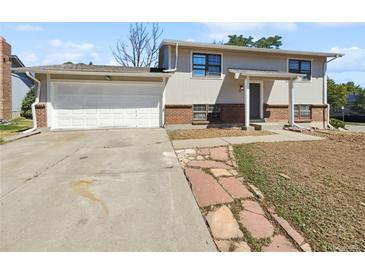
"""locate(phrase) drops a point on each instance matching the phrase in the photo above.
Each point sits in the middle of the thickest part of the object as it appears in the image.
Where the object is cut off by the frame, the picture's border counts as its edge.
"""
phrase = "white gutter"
(176, 57)
(34, 116)
(326, 122)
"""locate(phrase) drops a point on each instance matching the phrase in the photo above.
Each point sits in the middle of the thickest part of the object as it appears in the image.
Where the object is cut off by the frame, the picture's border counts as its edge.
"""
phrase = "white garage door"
(79, 105)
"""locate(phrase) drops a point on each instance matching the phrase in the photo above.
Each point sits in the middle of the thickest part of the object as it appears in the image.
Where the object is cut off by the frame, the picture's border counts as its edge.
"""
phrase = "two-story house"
(195, 83)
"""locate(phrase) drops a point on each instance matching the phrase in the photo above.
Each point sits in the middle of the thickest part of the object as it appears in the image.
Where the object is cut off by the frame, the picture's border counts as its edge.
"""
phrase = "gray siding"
(182, 88)
(18, 89)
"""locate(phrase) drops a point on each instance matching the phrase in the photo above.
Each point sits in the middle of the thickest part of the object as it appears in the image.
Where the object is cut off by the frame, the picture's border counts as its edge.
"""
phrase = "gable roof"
(169, 42)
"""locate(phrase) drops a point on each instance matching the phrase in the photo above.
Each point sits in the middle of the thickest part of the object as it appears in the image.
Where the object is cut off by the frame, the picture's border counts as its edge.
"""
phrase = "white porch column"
(247, 102)
(291, 104)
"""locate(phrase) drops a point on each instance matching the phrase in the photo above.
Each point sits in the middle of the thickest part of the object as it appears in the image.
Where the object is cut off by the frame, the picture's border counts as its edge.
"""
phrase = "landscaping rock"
(257, 192)
(253, 207)
(291, 231)
(285, 176)
(280, 244)
(207, 164)
(219, 153)
(234, 187)
(206, 189)
(233, 172)
(219, 172)
(242, 247)
(256, 224)
(223, 224)
(203, 151)
(199, 157)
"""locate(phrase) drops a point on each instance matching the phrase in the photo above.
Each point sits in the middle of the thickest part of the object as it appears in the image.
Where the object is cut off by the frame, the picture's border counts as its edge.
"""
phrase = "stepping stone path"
(231, 207)
(223, 224)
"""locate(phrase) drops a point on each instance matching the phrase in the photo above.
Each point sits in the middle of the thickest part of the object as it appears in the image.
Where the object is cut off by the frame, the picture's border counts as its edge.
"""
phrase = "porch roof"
(269, 74)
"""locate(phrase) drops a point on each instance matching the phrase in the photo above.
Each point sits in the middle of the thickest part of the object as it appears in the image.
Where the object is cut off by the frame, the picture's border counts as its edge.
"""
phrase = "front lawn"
(16, 125)
(182, 134)
(324, 195)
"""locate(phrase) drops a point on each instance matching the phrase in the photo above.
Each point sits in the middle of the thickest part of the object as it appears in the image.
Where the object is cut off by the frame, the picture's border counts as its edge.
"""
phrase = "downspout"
(176, 58)
(326, 122)
(35, 102)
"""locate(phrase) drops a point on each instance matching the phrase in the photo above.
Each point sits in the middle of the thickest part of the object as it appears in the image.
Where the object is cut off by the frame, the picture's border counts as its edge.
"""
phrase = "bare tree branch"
(141, 50)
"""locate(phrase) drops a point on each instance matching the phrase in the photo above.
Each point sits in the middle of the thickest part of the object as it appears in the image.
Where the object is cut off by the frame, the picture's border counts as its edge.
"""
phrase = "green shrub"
(28, 100)
(337, 123)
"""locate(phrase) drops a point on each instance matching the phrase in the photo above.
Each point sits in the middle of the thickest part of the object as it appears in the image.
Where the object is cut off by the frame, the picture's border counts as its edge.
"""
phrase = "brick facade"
(183, 114)
(276, 113)
(5, 80)
(232, 113)
(235, 113)
(41, 113)
(319, 112)
(178, 114)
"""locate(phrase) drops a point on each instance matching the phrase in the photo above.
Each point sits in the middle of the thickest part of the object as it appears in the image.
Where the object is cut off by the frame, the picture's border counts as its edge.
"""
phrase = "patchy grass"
(182, 134)
(16, 125)
(325, 195)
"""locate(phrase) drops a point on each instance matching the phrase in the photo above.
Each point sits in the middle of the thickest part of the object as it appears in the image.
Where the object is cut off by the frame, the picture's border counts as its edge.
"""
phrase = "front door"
(254, 101)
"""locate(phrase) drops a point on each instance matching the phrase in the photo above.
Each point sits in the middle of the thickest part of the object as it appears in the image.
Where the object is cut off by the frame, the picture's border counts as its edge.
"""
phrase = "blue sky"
(54, 43)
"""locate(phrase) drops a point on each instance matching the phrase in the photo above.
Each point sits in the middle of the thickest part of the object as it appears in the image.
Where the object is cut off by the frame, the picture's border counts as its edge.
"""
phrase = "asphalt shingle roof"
(94, 68)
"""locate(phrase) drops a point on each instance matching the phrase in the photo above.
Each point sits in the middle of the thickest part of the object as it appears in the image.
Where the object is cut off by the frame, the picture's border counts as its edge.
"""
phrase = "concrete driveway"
(106, 190)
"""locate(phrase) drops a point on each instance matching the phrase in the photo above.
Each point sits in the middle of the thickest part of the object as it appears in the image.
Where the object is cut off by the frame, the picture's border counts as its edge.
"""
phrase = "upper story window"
(301, 66)
(206, 65)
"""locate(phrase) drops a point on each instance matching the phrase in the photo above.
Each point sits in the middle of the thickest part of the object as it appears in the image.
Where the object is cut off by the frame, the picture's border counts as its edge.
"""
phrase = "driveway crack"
(37, 174)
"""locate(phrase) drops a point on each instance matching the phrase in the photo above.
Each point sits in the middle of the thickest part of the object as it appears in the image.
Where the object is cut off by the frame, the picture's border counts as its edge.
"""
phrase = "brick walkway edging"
(289, 230)
(217, 188)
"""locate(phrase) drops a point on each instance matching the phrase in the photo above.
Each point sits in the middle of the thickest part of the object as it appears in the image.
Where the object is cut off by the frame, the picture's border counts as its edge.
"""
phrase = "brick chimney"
(5, 80)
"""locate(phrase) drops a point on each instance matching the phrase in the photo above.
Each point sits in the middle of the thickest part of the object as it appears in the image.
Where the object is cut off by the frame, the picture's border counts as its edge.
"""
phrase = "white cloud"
(354, 60)
(190, 40)
(28, 27)
(29, 58)
(55, 42)
(64, 51)
(220, 31)
(113, 62)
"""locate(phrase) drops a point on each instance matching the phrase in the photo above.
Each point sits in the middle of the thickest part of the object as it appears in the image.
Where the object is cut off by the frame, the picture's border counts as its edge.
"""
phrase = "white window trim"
(301, 59)
(205, 77)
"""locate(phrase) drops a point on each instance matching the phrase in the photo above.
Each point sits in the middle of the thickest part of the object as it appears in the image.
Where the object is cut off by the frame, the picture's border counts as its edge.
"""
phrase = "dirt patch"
(325, 195)
(182, 134)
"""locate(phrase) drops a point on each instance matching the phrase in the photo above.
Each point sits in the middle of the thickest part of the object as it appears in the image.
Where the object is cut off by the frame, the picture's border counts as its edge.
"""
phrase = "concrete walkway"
(278, 136)
(355, 128)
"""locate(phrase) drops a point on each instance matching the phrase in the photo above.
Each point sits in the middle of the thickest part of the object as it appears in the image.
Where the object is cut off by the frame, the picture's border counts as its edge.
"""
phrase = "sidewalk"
(279, 136)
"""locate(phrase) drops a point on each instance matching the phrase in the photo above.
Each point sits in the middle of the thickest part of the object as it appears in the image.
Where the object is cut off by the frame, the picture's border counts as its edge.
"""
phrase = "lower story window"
(206, 112)
(302, 112)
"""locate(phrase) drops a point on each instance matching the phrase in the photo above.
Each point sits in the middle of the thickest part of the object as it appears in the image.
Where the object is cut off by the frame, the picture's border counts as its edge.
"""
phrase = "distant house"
(20, 85)
(349, 113)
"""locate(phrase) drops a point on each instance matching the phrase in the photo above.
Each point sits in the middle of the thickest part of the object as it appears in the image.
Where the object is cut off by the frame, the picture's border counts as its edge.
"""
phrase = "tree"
(264, 42)
(28, 100)
(141, 50)
(336, 93)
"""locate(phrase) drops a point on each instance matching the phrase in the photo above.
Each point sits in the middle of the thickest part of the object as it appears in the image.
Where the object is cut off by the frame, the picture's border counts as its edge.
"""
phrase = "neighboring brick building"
(5, 80)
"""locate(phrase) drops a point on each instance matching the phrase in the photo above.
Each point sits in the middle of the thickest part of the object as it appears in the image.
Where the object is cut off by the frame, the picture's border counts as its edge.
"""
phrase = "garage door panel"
(93, 105)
